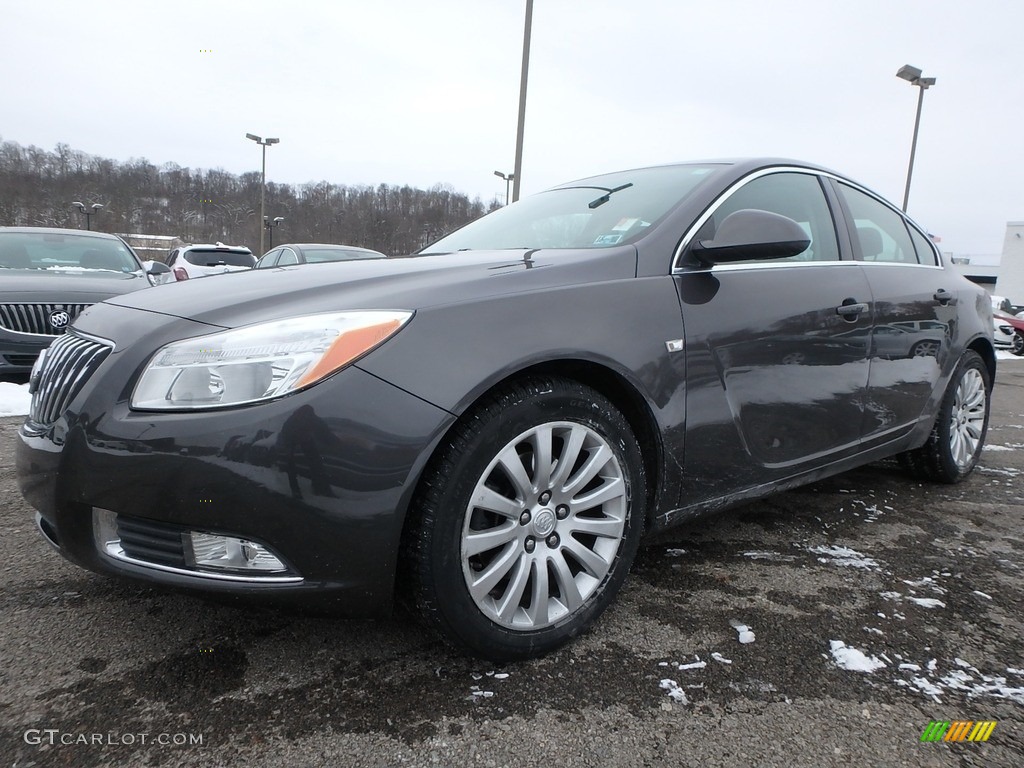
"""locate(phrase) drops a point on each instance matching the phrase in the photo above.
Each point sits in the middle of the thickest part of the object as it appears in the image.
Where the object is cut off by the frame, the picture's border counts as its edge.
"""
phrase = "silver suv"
(204, 259)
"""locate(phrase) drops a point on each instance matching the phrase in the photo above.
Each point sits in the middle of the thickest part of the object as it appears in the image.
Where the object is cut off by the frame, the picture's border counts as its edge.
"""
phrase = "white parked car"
(205, 259)
(1003, 334)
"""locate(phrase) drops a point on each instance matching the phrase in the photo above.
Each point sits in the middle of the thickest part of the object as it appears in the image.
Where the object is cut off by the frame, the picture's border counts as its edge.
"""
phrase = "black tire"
(1018, 343)
(446, 546)
(947, 456)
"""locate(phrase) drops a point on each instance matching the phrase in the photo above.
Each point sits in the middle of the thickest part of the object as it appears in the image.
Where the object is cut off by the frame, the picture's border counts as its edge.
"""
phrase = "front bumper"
(322, 478)
(18, 351)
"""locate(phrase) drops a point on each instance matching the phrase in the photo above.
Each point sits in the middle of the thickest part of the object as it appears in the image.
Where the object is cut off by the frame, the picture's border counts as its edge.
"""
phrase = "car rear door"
(776, 351)
(914, 307)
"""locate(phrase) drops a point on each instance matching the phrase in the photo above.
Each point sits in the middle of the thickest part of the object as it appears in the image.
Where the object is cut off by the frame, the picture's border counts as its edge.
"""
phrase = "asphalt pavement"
(872, 604)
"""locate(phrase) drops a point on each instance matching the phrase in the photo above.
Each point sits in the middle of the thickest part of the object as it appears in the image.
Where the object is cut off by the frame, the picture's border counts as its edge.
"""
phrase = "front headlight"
(260, 362)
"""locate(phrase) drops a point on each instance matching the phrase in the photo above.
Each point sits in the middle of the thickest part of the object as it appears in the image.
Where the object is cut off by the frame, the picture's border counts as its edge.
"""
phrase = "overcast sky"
(422, 92)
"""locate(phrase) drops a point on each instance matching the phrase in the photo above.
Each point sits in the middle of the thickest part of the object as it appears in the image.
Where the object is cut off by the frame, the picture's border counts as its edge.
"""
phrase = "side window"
(287, 257)
(879, 230)
(925, 249)
(796, 195)
(269, 260)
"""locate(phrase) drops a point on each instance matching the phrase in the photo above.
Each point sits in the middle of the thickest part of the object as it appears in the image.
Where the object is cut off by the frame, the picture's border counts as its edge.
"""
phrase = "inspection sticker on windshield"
(607, 239)
(624, 224)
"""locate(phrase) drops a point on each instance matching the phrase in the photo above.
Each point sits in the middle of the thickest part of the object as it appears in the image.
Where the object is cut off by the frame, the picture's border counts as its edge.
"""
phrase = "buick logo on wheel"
(60, 319)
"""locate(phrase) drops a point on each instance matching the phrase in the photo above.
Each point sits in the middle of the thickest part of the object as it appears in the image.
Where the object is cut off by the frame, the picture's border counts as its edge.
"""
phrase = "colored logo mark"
(958, 730)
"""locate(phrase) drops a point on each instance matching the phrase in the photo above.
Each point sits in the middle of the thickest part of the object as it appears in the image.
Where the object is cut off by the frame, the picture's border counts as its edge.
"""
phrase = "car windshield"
(213, 257)
(62, 252)
(599, 212)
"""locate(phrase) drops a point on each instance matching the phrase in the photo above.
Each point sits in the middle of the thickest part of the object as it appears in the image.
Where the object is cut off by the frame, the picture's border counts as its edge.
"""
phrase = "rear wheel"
(1018, 343)
(954, 445)
(526, 523)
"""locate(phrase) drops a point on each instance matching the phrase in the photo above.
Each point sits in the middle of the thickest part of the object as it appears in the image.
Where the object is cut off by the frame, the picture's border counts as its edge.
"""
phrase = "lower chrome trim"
(109, 545)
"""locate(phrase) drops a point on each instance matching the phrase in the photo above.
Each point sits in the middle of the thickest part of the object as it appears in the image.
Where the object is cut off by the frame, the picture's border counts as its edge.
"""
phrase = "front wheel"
(1018, 343)
(526, 523)
(955, 442)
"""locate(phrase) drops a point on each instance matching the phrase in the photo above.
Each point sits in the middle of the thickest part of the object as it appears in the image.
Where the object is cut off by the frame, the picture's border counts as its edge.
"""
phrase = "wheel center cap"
(544, 523)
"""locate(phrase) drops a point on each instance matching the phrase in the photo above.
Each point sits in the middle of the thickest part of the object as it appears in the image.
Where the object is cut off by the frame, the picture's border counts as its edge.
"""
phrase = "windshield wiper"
(607, 195)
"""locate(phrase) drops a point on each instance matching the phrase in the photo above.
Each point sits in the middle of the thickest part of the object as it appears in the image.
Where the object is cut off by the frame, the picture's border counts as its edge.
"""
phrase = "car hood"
(412, 283)
(66, 286)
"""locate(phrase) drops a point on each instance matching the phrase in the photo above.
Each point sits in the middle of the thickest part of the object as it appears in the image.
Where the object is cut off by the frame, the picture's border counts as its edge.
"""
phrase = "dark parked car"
(493, 424)
(48, 277)
(314, 253)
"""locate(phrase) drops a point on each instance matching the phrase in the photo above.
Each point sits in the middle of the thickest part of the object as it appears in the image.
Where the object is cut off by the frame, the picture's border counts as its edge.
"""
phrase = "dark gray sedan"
(47, 277)
(490, 427)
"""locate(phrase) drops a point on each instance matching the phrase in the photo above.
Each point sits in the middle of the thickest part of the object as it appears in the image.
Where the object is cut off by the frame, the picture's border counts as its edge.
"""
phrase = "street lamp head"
(908, 73)
(278, 219)
(79, 206)
(97, 206)
(254, 137)
(273, 141)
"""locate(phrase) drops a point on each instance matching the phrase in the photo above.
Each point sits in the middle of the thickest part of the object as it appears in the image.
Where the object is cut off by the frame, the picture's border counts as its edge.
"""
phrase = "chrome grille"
(35, 318)
(69, 362)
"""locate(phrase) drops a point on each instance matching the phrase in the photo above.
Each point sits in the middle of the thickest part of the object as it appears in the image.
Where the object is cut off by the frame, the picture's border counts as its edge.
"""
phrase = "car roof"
(329, 246)
(61, 231)
(216, 247)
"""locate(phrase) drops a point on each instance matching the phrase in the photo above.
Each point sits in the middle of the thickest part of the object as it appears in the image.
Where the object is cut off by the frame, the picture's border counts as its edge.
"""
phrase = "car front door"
(776, 351)
(915, 313)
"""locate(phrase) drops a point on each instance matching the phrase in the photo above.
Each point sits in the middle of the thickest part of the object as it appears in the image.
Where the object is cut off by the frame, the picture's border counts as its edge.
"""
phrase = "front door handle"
(851, 309)
(943, 296)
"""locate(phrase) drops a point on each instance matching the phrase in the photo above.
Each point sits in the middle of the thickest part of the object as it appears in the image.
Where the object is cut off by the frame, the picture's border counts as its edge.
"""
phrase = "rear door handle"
(943, 296)
(851, 310)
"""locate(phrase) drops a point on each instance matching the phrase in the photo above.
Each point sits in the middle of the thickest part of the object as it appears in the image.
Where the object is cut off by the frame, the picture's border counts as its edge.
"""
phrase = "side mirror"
(157, 272)
(749, 235)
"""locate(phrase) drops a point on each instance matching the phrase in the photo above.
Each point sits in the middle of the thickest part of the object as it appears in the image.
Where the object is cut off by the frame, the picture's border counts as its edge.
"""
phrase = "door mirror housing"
(158, 272)
(752, 235)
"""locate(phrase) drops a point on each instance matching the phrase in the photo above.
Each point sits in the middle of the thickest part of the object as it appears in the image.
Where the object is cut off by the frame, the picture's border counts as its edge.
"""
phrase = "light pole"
(913, 76)
(263, 178)
(269, 226)
(508, 179)
(88, 214)
(518, 172)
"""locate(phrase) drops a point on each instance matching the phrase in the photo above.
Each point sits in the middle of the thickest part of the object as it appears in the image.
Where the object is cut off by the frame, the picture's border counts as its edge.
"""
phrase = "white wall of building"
(1011, 266)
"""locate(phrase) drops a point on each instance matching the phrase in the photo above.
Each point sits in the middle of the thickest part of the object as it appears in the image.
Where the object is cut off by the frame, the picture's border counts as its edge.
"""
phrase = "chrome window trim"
(899, 264)
(680, 269)
(741, 266)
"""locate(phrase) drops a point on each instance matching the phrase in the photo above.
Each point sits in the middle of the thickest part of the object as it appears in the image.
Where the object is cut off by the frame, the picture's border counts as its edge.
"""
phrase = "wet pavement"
(873, 605)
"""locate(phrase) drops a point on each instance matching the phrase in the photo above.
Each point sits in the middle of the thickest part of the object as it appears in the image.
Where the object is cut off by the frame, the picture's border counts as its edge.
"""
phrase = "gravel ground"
(876, 604)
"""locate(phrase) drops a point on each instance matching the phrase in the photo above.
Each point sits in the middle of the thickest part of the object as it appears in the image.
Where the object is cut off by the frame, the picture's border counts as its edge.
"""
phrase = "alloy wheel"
(967, 420)
(544, 525)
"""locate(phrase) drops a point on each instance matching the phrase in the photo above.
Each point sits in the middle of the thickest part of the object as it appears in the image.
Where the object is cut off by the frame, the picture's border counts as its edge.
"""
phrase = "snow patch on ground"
(671, 687)
(14, 399)
(965, 679)
(845, 557)
(852, 659)
(746, 635)
(991, 447)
